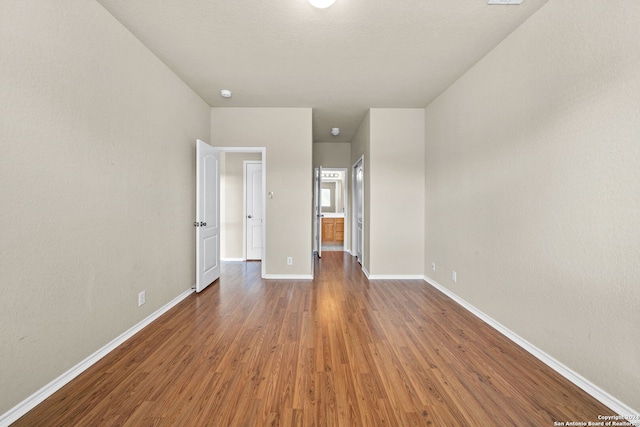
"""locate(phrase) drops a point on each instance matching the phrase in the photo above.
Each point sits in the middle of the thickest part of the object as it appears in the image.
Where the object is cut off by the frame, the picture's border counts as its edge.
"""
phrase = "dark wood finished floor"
(338, 350)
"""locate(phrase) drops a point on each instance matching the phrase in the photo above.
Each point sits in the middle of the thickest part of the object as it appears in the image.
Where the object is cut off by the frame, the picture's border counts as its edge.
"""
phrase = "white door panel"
(210, 253)
(318, 210)
(253, 208)
(359, 208)
(207, 215)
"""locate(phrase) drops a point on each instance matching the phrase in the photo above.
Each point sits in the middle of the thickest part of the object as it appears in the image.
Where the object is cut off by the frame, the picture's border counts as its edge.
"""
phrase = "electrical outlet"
(454, 277)
(433, 266)
(289, 260)
(142, 298)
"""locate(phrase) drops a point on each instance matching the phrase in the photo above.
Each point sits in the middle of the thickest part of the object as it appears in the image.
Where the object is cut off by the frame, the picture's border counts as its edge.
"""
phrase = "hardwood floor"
(338, 350)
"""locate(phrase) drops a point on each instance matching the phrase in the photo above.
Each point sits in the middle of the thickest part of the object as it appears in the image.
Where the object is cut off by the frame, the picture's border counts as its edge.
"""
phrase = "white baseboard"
(602, 396)
(288, 276)
(232, 259)
(38, 397)
(365, 271)
(395, 277)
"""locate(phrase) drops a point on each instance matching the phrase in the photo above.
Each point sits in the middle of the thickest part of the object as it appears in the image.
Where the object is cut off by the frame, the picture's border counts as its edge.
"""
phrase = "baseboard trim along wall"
(231, 259)
(365, 271)
(616, 405)
(38, 397)
(288, 276)
(395, 277)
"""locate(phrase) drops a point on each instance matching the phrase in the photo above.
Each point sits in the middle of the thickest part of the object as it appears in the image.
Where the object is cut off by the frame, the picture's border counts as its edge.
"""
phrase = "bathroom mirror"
(332, 192)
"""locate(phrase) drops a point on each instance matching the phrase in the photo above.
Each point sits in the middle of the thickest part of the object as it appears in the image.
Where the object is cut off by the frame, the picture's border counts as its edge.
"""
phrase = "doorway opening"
(332, 210)
(242, 204)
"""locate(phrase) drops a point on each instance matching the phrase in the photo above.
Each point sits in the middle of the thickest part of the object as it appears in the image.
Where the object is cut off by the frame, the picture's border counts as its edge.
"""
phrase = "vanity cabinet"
(332, 229)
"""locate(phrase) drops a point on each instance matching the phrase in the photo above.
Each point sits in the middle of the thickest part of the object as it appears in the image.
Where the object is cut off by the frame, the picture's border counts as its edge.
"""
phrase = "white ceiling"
(341, 61)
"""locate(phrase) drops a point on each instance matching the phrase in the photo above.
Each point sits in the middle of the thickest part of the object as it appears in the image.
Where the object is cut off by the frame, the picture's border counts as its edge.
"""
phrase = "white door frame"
(347, 208)
(244, 205)
(263, 152)
(355, 242)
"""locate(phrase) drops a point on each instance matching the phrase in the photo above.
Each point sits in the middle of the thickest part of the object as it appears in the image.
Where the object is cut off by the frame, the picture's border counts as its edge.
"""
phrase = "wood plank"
(336, 350)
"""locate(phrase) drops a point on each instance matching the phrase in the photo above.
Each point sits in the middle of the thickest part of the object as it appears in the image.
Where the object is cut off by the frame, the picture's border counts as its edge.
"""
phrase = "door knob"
(249, 216)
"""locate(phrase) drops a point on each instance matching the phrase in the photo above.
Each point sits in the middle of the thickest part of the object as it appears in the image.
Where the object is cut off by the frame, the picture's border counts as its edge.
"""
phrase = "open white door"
(208, 215)
(318, 209)
(316, 201)
(358, 200)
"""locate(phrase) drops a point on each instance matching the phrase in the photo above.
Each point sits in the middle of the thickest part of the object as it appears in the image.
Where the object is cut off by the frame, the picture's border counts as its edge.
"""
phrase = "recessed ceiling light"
(505, 1)
(225, 93)
(322, 4)
(335, 131)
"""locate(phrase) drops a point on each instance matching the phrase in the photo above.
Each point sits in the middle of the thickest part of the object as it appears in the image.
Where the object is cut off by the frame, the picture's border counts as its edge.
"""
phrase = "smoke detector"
(225, 93)
(335, 131)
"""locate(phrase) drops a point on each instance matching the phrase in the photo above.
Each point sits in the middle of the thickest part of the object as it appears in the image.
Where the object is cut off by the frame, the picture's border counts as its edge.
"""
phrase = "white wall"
(332, 155)
(286, 134)
(392, 142)
(97, 188)
(532, 188)
(396, 183)
(360, 146)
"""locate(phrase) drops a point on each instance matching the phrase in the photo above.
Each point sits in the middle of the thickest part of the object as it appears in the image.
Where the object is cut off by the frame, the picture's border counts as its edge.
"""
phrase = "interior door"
(318, 209)
(207, 215)
(253, 209)
(359, 200)
(316, 204)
